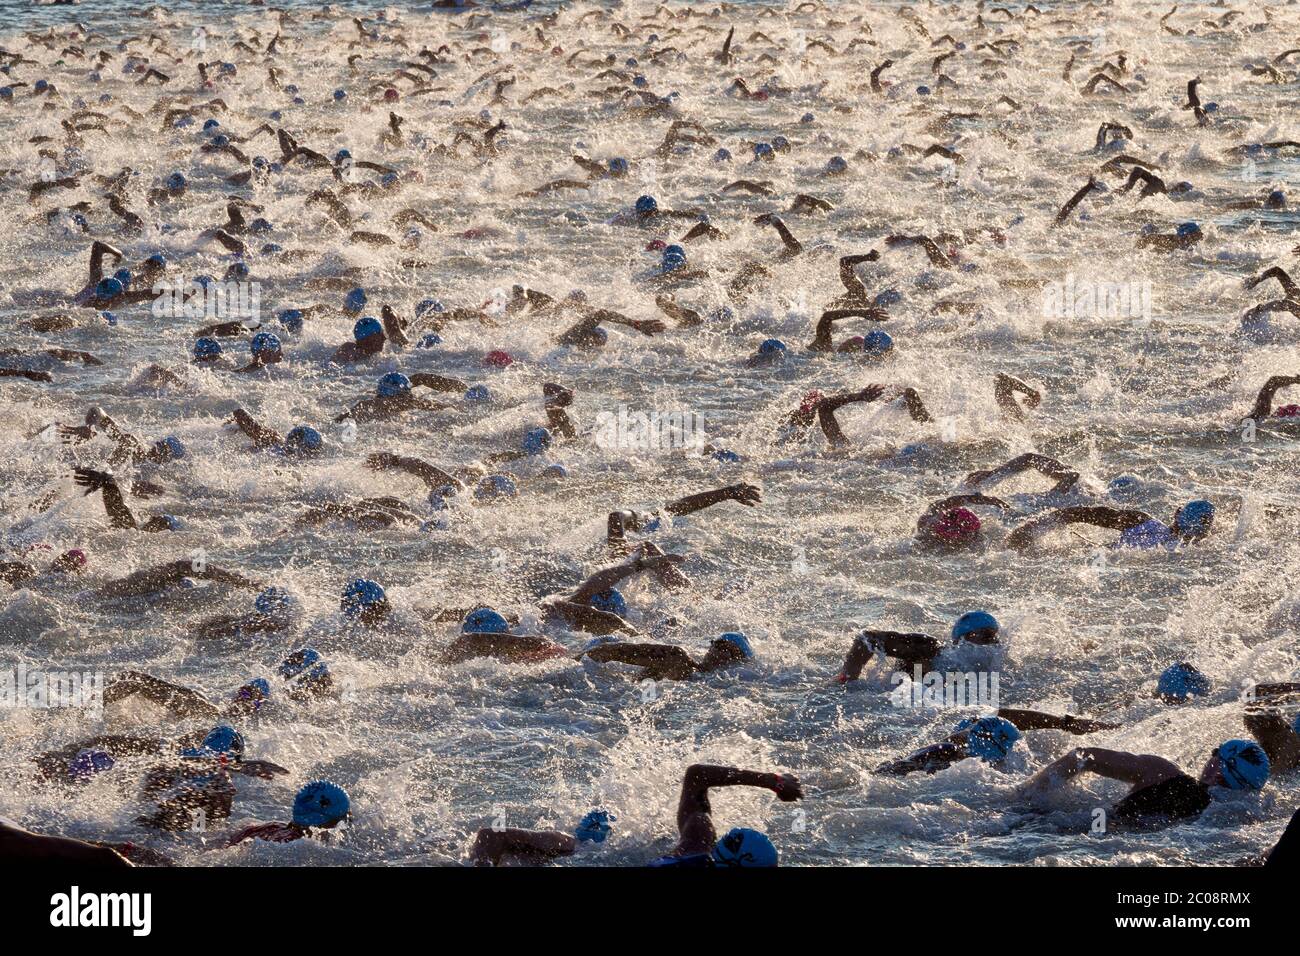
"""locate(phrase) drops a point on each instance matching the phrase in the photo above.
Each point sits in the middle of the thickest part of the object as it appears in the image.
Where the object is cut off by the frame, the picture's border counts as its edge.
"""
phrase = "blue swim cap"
(618, 165)
(210, 124)
(740, 640)
(771, 347)
(762, 149)
(973, 621)
(260, 225)
(393, 384)
(555, 470)
(173, 446)
(303, 439)
(611, 601)
(271, 600)
(1277, 197)
(221, 139)
(342, 154)
(220, 741)
(361, 594)
(1244, 764)
(157, 259)
(206, 348)
(291, 319)
(175, 181)
(87, 763)
(877, 342)
(807, 118)
(837, 164)
(646, 204)
(320, 804)
(366, 327)
(537, 441)
(923, 90)
(744, 847)
(495, 486)
(484, 620)
(1195, 517)
(265, 342)
(429, 305)
(429, 340)
(989, 738)
(595, 826)
(723, 155)
(640, 82)
(356, 301)
(108, 289)
(1123, 487)
(726, 455)
(1180, 681)
(299, 661)
(1188, 229)
(340, 95)
(478, 393)
(674, 250)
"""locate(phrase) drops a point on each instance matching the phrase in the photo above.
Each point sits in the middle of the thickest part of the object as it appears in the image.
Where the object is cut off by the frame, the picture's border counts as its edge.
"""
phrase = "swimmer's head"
(72, 561)
(88, 763)
(537, 440)
(646, 205)
(618, 166)
(266, 348)
(674, 258)
(769, 351)
(364, 600)
(175, 183)
(1237, 765)
(393, 384)
(836, 165)
(369, 334)
(1276, 200)
(222, 741)
(273, 600)
(727, 649)
(723, 155)
(495, 488)
(429, 306)
(1188, 230)
(1180, 682)
(1194, 519)
(976, 627)
(611, 601)
(594, 827)
(989, 738)
(877, 343)
(478, 393)
(166, 449)
(954, 528)
(255, 691)
(744, 847)
(355, 302)
(300, 661)
(498, 358)
(484, 620)
(108, 289)
(763, 151)
(303, 440)
(320, 804)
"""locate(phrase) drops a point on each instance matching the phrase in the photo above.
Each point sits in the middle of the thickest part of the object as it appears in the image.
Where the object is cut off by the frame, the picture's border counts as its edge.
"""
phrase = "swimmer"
(1191, 523)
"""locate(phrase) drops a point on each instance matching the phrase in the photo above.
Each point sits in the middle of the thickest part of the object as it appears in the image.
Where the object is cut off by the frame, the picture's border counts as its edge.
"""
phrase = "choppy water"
(431, 752)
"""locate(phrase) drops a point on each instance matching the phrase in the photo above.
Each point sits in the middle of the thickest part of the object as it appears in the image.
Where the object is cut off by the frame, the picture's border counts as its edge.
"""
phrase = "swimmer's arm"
(699, 778)
(1277, 689)
(644, 326)
(960, 501)
(1003, 388)
(1037, 720)
(97, 252)
(262, 436)
(491, 845)
(393, 328)
(22, 846)
(431, 475)
(827, 407)
(1064, 477)
(118, 745)
(930, 759)
(262, 769)
(606, 578)
(1134, 769)
(180, 700)
(235, 625)
(438, 383)
(119, 515)
(643, 655)
(1103, 517)
(1264, 400)
(849, 279)
(741, 493)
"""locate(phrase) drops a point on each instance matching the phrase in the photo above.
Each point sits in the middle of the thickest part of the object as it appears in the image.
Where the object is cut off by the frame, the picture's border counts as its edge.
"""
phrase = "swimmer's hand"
(787, 788)
(648, 326)
(258, 768)
(744, 493)
(75, 436)
(557, 396)
(92, 480)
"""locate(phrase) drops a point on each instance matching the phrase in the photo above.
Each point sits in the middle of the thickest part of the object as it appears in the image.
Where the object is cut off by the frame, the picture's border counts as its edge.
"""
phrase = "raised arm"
(180, 700)
(699, 778)
(741, 493)
(119, 515)
(822, 336)
(828, 405)
(262, 436)
(909, 648)
(1135, 769)
(606, 578)
(1037, 720)
(1064, 477)
(1004, 389)
(1264, 400)
(431, 475)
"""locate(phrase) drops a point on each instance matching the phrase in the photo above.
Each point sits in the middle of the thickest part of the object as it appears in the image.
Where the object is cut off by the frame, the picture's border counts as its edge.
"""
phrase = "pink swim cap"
(1288, 411)
(810, 401)
(953, 527)
(656, 245)
(498, 359)
(391, 95)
